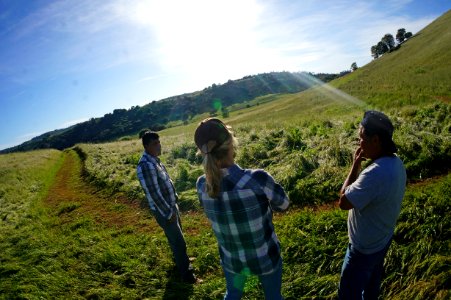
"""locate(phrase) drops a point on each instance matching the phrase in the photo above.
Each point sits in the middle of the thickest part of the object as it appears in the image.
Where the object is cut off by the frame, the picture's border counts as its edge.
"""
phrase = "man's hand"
(358, 156)
(352, 176)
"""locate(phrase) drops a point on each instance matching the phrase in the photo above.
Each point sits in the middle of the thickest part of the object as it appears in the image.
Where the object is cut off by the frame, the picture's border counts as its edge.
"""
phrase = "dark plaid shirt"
(241, 218)
(157, 185)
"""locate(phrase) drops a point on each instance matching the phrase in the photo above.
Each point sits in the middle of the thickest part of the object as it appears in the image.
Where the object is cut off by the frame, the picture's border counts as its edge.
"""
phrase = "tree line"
(388, 43)
(158, 115)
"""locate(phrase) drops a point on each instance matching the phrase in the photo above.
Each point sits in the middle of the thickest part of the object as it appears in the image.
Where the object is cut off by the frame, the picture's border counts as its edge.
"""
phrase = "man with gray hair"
(373, 197)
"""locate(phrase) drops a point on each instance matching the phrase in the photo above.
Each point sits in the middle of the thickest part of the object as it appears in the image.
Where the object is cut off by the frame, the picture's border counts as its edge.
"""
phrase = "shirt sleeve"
(199, 187)
(365, 189)
(148, 177)
(273, 191)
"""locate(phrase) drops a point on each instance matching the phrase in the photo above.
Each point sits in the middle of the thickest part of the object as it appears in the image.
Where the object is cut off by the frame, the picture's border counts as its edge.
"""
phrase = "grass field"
(79, 241)
(75, 224)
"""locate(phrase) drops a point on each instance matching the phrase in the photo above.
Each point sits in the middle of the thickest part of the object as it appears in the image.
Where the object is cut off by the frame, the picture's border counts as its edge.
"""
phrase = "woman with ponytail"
(239, 204)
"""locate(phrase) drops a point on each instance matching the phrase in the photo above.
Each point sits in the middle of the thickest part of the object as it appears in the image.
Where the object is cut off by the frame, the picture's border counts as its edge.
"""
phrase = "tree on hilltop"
(388, 43)
(381, 48)
(400, 35)
(389, 40)
(374, 53)
(354, 66)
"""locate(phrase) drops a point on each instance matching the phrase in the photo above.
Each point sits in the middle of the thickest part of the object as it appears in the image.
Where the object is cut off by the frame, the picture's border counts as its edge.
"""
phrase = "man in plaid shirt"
(239, 205)
(162, 197)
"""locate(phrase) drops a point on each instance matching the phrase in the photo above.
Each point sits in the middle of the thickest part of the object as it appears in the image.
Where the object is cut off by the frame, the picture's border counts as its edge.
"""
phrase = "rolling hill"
(158, 115)
(418, 73)
(72, 225)
(305, 139)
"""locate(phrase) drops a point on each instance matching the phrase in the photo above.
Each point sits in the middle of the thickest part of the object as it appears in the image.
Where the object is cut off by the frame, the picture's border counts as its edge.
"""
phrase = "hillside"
(75, 223)
(306, 140)
(159, 114)
(418, 73)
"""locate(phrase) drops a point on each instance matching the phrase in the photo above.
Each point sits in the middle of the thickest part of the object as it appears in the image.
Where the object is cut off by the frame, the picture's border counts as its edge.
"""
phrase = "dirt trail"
(73, 198)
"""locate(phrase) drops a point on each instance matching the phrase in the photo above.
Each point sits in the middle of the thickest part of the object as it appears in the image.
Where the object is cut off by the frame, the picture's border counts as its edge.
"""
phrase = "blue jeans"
(361, 274)
(272, 284)
(173, 232)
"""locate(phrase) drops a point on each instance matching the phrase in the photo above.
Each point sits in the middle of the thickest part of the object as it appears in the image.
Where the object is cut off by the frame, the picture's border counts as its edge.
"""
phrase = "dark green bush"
(186, 177)
(132, 159)
(252, 156)
(186, 151)
(294, 139)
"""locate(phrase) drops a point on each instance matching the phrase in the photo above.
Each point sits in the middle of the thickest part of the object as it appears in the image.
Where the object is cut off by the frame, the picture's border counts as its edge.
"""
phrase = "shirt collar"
(150, 157)
(231, 170)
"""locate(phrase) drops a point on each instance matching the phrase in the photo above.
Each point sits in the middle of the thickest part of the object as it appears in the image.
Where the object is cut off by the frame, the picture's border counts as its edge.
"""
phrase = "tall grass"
(50, 251)
(305, 140)
(25, 178)
(310, 158)
(54, 253)
(60, 252)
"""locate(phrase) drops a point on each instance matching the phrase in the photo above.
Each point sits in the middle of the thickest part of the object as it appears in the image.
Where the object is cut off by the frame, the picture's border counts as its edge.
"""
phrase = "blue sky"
(63, 62)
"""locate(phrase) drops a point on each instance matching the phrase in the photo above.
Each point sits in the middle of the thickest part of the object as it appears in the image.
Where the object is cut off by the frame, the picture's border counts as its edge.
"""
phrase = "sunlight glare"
(329, 91)
(203, 36)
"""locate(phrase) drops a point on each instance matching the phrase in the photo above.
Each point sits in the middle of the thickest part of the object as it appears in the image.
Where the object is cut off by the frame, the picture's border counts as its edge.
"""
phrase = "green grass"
(306, 140)
(417, 73)
(308, 152)
(90, 244)
(49, 255)
(25, 178)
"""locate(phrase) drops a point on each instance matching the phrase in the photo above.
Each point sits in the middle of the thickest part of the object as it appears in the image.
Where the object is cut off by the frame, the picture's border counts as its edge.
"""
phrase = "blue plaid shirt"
(241, 218)
(157, 185)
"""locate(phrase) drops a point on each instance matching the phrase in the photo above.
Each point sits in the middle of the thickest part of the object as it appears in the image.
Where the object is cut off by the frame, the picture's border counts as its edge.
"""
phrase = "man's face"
(153, 148)
(370, 145)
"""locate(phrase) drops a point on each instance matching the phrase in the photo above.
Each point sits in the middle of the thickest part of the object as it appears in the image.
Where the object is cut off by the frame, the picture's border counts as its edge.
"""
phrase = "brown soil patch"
(445, 99)
(71, 198)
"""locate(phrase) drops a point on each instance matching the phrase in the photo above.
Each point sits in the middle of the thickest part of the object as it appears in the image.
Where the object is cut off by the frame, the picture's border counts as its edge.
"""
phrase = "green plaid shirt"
(241, 218)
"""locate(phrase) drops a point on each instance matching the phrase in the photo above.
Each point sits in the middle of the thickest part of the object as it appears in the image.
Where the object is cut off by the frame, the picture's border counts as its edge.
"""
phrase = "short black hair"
(149, 136)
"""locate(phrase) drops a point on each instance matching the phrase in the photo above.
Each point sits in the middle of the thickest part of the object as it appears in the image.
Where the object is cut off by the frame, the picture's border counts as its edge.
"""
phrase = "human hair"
(387, 144)
(148, 137)
(377, 123)
(212, 165)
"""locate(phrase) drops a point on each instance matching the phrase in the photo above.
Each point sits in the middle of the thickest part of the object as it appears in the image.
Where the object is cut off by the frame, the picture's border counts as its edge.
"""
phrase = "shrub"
(186, 151)
(424, 142)
(186, 177)
(294, 139)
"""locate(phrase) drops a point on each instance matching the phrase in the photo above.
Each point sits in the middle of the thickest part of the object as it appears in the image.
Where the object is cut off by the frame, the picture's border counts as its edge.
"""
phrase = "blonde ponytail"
(212, 162)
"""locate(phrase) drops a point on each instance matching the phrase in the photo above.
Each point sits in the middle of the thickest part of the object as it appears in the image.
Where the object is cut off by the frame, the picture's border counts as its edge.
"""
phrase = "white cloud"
(329, 40)
(214, 38)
